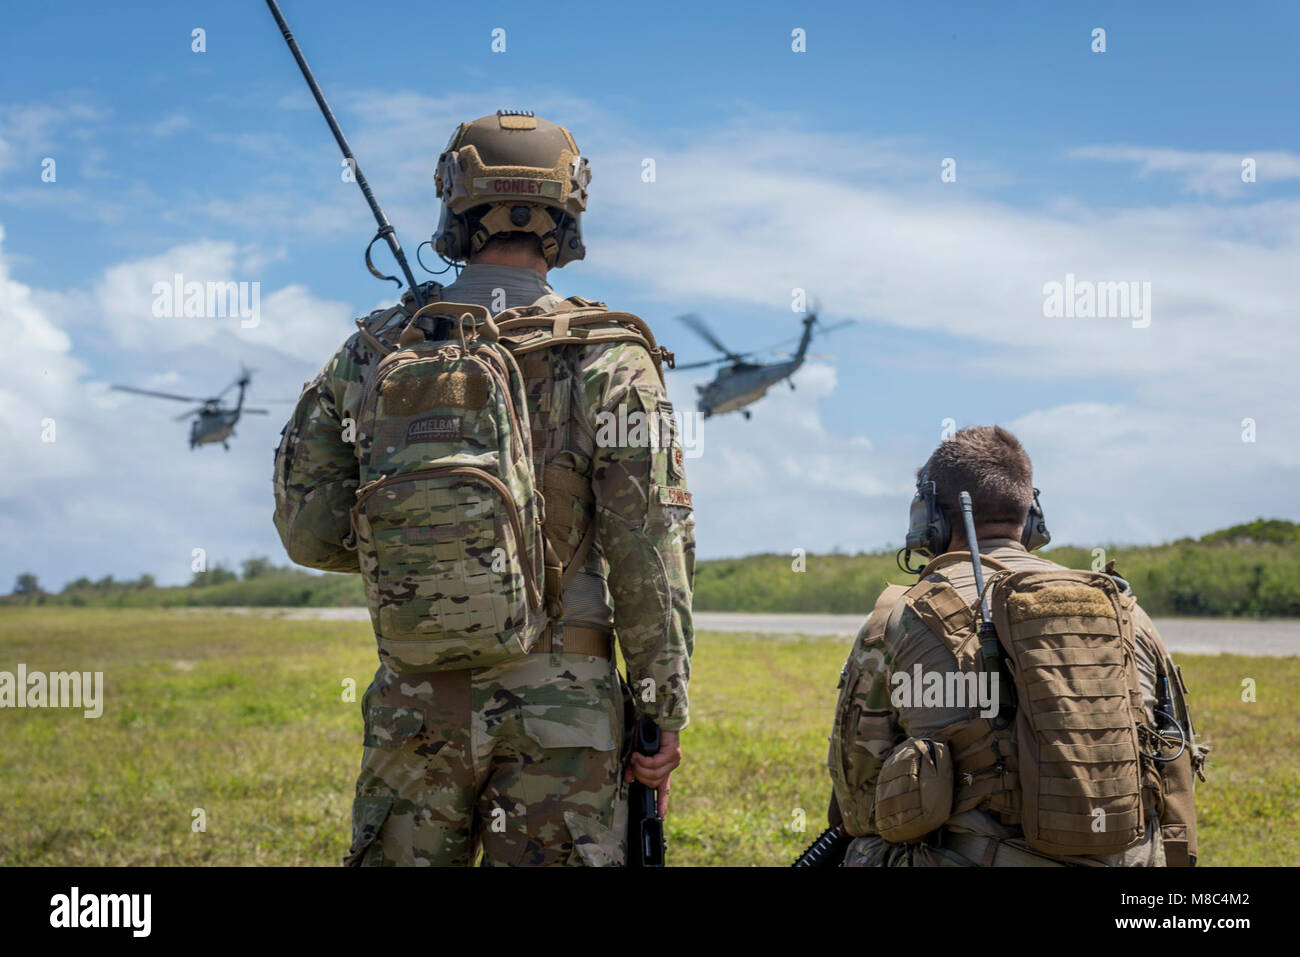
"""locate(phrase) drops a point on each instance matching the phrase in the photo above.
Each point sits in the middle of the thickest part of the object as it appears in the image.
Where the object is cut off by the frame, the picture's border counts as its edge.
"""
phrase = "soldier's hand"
(653, 770)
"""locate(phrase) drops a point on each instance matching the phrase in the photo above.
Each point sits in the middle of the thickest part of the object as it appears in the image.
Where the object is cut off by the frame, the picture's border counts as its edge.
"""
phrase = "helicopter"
(212, 423)
(743, 381)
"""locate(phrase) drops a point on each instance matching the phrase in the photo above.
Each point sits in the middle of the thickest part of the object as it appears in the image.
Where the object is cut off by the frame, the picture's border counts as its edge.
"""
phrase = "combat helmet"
(511, 172)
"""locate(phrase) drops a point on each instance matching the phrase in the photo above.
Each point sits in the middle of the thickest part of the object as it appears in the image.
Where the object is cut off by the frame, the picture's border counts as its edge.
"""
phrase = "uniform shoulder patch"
(668, 495)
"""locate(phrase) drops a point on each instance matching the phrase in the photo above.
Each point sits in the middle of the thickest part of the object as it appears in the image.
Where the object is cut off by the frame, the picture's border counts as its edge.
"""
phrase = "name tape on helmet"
(518, 186)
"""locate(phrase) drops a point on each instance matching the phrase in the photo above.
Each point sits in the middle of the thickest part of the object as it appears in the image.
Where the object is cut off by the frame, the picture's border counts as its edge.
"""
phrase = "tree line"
(1249, 570)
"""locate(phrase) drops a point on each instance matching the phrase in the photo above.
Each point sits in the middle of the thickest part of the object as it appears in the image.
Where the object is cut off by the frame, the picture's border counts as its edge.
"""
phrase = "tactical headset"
(929, 533)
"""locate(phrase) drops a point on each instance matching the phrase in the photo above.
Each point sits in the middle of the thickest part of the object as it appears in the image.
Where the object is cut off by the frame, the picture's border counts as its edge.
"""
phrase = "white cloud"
(173, 122)
(1217, 174)
(289, 320)
(32, 131)
(36, 390)
(118, 491)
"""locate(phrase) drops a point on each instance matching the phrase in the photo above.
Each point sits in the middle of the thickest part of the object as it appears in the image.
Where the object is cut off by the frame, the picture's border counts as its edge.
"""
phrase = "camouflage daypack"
(463, 562)
(447, 521)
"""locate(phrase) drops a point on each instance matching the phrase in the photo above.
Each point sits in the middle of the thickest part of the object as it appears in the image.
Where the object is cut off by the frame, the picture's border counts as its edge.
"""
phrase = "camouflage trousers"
(522, 761)
(874, 851)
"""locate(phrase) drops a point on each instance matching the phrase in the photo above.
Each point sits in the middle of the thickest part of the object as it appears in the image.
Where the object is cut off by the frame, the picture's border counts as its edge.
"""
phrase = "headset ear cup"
(942, 532)
(451, 241)
(569, 236)
(1035, 534)
(928, 532)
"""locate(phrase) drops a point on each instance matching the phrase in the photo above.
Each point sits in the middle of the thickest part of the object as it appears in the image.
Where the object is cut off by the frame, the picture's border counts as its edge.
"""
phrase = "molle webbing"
(984, 758)
(561, 489)
(942, 609)
(985, 769)
(1069, 643)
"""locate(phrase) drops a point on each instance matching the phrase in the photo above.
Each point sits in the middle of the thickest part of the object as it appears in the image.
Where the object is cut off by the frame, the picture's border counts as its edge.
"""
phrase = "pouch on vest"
(914, 790)
(447, 520)
(1069, 643)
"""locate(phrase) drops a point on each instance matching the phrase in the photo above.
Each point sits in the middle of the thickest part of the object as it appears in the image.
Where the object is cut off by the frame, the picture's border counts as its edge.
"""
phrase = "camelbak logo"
(435, 428)
(551, 188)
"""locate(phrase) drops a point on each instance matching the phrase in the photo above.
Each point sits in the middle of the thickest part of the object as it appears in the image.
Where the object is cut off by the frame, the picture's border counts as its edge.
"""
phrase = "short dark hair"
(991, 464)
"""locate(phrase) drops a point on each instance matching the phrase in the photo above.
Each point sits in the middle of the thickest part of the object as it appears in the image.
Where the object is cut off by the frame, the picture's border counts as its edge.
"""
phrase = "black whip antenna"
(386, 231)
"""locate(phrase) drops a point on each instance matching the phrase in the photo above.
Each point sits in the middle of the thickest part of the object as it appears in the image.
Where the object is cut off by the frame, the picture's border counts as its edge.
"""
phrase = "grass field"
(244, 718)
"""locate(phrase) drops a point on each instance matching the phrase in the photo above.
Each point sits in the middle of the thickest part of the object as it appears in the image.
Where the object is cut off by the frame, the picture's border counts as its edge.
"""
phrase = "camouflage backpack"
(451, 521)
(1068, 770)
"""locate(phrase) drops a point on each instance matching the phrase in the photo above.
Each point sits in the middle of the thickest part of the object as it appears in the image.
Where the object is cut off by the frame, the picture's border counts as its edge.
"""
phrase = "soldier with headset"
(1085, 754)
(523, 759)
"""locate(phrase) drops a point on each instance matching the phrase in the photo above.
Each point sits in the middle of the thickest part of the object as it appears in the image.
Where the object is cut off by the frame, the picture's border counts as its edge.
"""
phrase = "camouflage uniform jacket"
(643, 561)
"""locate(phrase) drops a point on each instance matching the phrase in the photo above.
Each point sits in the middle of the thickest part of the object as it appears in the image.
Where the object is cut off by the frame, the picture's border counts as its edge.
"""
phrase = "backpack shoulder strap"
(384, 324)
(577, 322)
(873, 629)
(580, 303)
(948, 616)
(952, 558)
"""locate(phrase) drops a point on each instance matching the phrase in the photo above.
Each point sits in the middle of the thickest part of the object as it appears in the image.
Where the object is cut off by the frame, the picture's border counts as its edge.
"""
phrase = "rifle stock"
(827, 851)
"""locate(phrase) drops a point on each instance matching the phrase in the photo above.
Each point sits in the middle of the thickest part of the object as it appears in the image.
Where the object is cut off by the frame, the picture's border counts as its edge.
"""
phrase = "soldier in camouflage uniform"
(526, 760)
(992, 465)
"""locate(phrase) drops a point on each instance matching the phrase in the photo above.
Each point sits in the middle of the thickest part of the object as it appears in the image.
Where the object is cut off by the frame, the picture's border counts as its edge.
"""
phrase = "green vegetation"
(1248, 570)
(259, 584)
(243, 716)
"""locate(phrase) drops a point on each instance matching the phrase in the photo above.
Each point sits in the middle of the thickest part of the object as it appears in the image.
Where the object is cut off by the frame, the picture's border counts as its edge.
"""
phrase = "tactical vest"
(467, 532)
(1068, 771)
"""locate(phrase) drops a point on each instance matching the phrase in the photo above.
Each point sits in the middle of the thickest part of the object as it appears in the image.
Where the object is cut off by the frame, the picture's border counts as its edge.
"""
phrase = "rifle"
(645, 829)
(827, 851)
(386, 231)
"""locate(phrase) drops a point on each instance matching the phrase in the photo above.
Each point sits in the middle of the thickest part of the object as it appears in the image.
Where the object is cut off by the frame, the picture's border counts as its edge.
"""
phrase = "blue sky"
(775, 170)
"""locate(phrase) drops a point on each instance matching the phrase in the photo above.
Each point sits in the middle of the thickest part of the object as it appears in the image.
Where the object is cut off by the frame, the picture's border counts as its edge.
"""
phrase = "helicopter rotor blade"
(699, 365)
(701, 329)
(243, 379)
(823, 330)
(185, 415)
(157, 395)
(256, 411)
